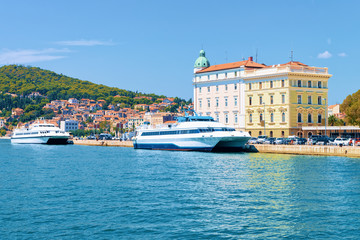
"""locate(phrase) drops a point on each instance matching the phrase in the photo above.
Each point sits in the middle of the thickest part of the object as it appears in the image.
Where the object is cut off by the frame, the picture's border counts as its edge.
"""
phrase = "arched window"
(319, 118)
(282, 134)
(261, 117)
(309, 118)
(250, 117)
(299, 118)
(283, 117)
(260, 133)
(271, 134)
(250, 133)
(271, 117)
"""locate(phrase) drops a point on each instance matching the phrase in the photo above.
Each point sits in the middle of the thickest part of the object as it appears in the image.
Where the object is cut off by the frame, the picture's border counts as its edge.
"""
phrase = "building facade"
(276, 100)
(69, 125)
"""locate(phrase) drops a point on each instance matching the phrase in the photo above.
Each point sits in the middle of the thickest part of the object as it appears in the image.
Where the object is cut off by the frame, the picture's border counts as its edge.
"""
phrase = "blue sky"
(151, 46)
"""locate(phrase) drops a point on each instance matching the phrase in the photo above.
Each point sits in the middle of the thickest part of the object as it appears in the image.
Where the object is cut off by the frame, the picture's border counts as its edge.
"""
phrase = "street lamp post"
(264, 121)
(325, 115)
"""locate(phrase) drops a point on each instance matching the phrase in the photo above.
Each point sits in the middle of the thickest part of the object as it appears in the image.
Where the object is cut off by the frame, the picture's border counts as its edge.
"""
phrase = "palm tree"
(332, 120)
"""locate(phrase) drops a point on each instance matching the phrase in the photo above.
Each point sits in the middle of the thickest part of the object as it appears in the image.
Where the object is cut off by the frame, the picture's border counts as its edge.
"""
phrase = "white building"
(219, 90)
(69, 125)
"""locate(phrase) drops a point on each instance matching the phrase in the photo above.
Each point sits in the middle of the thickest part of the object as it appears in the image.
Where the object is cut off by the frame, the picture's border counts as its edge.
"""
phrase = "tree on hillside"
(351, 107)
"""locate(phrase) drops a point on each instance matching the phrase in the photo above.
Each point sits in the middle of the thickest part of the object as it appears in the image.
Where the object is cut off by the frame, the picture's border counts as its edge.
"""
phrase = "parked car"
(92, 137)
(261, 139)
(252, 140)
(280, 141)
(356, 141)
(319, 140)
(270, 140)
(300, 141)
(342, 141)
(105, 136)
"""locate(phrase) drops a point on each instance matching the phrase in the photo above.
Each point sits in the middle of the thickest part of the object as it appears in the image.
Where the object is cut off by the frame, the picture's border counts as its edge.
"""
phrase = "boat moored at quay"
(40, 133)
(191, 133)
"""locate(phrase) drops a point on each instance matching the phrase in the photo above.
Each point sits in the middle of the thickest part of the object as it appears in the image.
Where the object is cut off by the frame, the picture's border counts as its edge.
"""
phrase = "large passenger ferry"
(191, 133)
(40, 133)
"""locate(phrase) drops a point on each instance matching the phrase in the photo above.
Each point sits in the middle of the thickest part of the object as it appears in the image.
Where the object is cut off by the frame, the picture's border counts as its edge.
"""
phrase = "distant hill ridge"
(19, 79)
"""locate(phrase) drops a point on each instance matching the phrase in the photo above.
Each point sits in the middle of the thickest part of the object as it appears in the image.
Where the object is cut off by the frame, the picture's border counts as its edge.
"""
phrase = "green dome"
(201, 61)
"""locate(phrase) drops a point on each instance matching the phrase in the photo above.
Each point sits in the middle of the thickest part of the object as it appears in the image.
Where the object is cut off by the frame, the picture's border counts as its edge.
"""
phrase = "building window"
(260, 133)
(271, 99)
(260, 85)
(235, 86)
(319, 100)
(250, 117)
(250, 101)
(282, 83)
(199, 89)
(235, 101)
(208, 89)
(261, 117)
(217, 76)
(225, 75)
(271, 134)
(250, 133)
(249, 86)
(319, 84)
(309, 84)
(309, 100)
(271, 84)
(226, 102)
(282, 134)
(309, 118)
(271, 117)
(217, 102)
(236, 118)
(319, 118)
(299, 83)
(200, 103)
(208, 102)
(226, 118)
(283, 98)
(283, 117)
(260, 100)
(217, 88)
(299, 120)
(299, 99)
(225, 87)
(235, 74)
(217, 117)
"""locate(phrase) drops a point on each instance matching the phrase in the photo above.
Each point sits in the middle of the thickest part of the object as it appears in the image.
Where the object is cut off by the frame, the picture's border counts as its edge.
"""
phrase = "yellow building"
(281, 99)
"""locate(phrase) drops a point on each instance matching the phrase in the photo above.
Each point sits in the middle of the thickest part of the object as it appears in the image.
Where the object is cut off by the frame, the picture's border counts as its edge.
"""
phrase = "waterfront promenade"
(261, 148)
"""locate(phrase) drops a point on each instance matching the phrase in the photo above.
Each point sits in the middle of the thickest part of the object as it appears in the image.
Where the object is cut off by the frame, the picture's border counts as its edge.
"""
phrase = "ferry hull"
(40, 140)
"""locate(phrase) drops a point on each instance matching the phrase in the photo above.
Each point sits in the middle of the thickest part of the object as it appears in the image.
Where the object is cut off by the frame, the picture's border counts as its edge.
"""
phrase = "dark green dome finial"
(202, 61)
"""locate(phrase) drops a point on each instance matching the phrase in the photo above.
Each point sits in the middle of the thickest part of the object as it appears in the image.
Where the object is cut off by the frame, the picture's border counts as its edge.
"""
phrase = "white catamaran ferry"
(191, 133)
(40, 133)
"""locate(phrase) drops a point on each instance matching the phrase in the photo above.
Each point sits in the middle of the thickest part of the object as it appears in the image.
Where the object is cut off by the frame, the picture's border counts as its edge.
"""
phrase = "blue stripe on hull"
(163, 146)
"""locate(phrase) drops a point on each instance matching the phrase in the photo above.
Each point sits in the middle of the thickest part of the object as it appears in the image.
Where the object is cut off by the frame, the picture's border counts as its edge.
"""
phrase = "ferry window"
(319, 118)
(282, 83)
(309, 99)
(271, 99)
(299, 83)
(319, 100)
(299, 99)
(319, 84)
(299, 120)
(235, 101)
(283, 117)
(283, 98)
(250, 101)
(309, 84)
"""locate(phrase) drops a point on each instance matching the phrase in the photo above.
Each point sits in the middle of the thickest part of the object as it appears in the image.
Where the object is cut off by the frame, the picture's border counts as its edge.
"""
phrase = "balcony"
(284, 69)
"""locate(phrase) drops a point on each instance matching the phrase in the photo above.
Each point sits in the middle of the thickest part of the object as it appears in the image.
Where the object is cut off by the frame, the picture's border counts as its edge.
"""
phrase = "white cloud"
(85, 43)
(325, 55)
(30, 56)
(342, 54)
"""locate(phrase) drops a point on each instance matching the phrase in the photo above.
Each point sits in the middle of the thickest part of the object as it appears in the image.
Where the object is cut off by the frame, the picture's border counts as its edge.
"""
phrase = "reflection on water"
(107, 192)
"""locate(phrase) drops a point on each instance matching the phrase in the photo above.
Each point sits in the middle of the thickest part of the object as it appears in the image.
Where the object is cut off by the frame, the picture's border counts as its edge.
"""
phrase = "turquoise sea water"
(81, 192)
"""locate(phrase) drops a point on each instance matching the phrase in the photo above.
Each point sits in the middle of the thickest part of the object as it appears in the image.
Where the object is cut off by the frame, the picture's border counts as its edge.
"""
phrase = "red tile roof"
(246, 63)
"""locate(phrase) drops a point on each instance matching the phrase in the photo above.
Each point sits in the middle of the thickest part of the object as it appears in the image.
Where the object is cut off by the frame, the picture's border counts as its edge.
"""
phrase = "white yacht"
(40, 133)
(191, 133)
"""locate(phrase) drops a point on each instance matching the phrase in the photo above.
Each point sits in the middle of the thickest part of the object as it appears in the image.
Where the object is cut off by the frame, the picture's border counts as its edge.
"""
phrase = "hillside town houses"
(88, 114)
